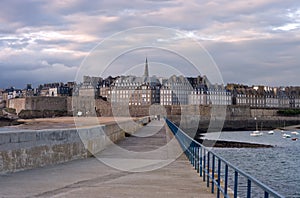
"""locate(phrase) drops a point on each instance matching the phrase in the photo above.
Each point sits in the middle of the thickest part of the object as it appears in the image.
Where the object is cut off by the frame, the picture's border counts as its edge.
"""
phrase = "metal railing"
(215, 170)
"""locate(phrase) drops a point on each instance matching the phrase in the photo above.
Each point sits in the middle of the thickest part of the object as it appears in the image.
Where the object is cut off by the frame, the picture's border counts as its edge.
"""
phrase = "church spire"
(146, 71)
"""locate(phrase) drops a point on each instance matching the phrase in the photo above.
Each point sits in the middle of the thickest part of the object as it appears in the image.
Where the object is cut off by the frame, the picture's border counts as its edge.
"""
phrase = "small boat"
(294, 133)
(271, 132)
(294, 139)
(286, 135)
(256, 133)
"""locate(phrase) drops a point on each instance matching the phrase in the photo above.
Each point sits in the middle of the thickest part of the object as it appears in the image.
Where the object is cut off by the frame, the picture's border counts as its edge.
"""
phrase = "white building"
(216, 95)
(272, 101)
(175, 91)
(198, 97)
(219, 96)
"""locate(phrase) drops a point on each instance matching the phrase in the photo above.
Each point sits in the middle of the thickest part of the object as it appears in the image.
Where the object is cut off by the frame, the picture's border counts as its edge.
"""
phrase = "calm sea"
(278, 167)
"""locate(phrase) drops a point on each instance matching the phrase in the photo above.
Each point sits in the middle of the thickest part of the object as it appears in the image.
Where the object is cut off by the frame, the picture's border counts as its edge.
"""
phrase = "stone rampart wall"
(46, 103)
(17, 103)
(40, 103)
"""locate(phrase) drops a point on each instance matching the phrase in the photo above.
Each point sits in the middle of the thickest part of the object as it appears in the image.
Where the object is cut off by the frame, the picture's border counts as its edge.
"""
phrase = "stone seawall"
(23, 150)
(195, 125)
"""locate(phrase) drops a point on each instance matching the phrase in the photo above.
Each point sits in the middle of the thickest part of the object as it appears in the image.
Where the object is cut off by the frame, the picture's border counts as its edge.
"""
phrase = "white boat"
(294, 133)
(271, 132)
(286, 135)
(256, 133)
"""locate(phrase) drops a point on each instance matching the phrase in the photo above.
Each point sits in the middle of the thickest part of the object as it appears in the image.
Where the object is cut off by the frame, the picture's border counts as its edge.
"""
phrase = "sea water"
(277, 167)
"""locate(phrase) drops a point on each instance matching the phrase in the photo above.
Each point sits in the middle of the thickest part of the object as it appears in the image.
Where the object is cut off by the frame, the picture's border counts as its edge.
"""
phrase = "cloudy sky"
(252, 42)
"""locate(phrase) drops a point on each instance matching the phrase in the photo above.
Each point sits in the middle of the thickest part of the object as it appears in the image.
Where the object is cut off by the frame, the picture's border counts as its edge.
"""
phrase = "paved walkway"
(92, 178)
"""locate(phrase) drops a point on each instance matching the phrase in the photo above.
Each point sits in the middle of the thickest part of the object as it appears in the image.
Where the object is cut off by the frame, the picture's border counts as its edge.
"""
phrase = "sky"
(255, 42)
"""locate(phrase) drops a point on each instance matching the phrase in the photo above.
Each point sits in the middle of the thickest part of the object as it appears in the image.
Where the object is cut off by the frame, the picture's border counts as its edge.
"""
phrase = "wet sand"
(294, 127)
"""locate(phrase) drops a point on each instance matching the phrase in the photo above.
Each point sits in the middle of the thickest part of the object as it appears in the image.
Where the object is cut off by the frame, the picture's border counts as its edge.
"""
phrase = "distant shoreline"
(231, 144)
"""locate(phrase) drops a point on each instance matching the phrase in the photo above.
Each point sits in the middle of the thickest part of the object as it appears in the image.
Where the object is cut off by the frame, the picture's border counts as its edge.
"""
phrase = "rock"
(6, 121)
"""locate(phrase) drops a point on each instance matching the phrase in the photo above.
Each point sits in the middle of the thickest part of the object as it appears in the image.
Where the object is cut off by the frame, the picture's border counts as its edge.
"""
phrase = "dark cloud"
(254, 42)
(265, 61)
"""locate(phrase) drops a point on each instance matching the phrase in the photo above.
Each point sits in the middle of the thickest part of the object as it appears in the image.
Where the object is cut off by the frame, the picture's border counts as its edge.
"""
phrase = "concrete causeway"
(92, 178)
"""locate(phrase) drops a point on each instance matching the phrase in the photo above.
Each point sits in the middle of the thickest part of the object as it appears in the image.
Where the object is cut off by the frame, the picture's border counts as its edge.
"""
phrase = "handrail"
(204, 161)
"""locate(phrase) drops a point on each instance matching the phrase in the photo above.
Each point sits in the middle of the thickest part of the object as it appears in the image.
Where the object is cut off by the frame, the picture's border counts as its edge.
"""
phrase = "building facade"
(216, 95)
(175, 91)
(132, 90)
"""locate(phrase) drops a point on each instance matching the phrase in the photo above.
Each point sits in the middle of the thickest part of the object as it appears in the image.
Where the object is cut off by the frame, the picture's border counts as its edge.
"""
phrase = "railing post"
(200, 162)
(249, 188)
(191, 153)
(226, 181)
(235, 184)
(266, 194)
(194, 155)
(204, 164)
(197, 158)
(219, 177)
(188, 152)
(208, 159)
(213, 174)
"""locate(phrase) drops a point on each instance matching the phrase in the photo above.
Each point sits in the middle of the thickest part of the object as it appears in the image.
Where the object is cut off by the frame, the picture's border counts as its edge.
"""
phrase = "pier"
(92, 178)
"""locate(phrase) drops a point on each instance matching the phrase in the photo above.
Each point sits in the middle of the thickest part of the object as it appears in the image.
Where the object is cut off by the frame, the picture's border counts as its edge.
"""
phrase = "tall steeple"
(146, 71)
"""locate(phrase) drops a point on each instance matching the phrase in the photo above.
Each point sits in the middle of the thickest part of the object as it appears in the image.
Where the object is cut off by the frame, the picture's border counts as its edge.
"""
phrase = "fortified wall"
(91, 107)
(38, 103)
(236, 117)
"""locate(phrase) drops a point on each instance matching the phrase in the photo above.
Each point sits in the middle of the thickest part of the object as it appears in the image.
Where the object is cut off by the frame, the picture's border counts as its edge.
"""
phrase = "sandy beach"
(65, 122)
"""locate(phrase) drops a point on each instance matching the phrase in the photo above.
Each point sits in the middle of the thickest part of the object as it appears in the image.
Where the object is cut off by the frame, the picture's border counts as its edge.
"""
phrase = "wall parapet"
(21, 150)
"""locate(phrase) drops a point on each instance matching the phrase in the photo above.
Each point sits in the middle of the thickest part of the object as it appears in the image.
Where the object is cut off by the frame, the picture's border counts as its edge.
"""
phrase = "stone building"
(215, 95)
(132, 90)
(59, 91)
(44, 91)
(198, 96)
(175, 91)
(249, 97)
(105, 86)
(29, 91)
(293, 93)
(11, 93)
(1, 94)
(261, 97)
(2, 102)
(54, 89)
(218, 95)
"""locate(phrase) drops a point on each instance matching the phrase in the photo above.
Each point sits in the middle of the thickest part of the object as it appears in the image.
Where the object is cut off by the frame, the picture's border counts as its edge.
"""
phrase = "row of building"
(180, 90)
(49, 89)
(176, 90)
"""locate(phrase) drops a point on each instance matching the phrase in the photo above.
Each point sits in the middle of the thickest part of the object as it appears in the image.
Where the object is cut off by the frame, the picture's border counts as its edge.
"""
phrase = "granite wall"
(40, 103)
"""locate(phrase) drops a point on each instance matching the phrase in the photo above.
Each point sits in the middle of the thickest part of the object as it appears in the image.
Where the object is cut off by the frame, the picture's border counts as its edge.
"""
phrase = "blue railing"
(216, 171)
